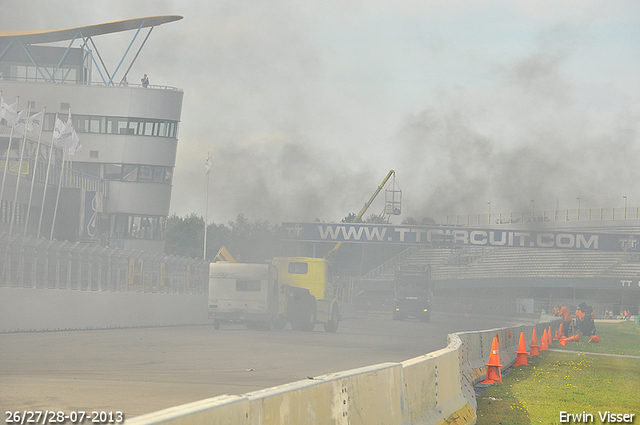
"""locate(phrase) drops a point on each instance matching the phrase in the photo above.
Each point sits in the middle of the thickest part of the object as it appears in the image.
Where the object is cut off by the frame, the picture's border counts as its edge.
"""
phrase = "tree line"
(260, 241)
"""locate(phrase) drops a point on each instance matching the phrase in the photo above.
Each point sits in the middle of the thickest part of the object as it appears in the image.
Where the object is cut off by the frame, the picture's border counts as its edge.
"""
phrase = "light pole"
(489, 219)
(533, 208)
(578, 198)
(625, 205)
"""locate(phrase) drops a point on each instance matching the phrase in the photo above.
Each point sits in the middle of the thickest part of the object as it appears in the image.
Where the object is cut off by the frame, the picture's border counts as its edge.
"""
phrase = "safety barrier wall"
(51, 285)
(433, 389)
(28, 262)
(28, 309)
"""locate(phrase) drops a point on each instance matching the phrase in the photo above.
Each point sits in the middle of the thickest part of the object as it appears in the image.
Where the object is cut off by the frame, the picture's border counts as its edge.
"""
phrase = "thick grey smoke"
(530, 140)
(305, 107)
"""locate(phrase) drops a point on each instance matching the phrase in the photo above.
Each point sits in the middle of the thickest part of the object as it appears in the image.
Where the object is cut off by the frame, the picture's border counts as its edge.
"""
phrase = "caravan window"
(298, 268)
(248, 285)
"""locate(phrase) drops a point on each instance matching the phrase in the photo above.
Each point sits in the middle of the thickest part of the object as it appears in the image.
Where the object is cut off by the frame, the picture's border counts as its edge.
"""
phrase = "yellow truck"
(296, 290)
(307, 294)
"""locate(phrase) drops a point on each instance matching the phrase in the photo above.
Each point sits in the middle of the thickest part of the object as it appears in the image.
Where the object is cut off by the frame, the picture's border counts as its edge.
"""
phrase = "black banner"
(444, 236)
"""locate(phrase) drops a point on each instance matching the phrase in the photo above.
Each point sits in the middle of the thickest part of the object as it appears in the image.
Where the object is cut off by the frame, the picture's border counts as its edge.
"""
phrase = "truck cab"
(307, 293)
(413, 293)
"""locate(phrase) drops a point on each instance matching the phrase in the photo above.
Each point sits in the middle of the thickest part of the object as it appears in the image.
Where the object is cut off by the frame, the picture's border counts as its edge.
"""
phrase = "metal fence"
(583, 214)
(42, 263)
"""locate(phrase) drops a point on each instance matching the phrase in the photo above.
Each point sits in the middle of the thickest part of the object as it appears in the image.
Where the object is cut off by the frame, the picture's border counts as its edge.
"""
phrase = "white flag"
(19, 122)
(76, 148)
(8, 112)
(208, 164)
(64, 135)
(35, 122)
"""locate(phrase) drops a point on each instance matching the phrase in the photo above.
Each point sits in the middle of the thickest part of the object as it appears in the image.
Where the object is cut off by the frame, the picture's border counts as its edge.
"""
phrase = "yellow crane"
(368, 203)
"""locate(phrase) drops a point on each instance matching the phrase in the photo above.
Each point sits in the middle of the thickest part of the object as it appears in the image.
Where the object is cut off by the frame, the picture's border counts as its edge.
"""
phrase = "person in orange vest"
(556, 312)
(567, 320)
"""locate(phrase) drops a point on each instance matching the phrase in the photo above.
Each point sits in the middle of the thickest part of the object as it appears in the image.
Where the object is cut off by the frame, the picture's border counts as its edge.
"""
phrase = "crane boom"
(366, 206)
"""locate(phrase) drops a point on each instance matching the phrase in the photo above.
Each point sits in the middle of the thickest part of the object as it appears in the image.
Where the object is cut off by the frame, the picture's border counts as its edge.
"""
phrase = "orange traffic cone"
(560, 334)
(594, 338)
(543, 341)
(563, 342)
(574, 338)
(521, 358)
(493, 367)
(534, 344)
(549, 338)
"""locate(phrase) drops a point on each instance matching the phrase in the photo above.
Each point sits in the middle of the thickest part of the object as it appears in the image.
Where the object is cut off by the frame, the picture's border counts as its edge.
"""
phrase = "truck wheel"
(304, 320)
(216, 325)
(279, 323)
(332, 325)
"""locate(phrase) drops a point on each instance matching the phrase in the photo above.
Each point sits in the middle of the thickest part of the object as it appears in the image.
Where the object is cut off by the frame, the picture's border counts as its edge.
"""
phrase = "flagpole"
(33, 175)
(15, 195)
(6, 158)
(46, 178)
(55, 209)
(206, 213)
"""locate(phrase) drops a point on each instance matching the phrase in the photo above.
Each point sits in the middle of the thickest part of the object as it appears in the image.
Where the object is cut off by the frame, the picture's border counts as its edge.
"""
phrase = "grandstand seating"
(473, 263)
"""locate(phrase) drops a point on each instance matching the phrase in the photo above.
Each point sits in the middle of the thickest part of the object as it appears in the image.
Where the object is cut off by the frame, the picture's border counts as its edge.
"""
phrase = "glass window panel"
(133, 127)
(121, 124)
(90, 168)
(148, 129)
(248, 285)
(158, 173)
(298, 268)
(112, 171)
(163, 129)
(168, 174)
(129, 173)
(144, 173)
(134, 227)
(81, 123)
(96, 124)
(49, 119)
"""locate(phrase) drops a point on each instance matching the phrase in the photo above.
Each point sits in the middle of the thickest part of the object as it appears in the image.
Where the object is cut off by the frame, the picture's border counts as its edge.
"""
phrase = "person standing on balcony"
(145, 81)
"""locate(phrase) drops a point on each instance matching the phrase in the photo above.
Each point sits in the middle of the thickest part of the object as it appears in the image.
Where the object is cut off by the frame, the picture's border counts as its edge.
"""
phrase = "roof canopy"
(50, 36)
(25, 39)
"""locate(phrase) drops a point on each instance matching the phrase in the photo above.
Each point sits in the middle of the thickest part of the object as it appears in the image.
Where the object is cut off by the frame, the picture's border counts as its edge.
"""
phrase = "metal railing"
(42, 263)
(71, 178)
(389, 264)
(582, 214)
(86, 83)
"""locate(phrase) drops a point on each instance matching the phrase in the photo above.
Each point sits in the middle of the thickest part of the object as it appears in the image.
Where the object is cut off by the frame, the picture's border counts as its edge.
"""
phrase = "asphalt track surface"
(141, 370)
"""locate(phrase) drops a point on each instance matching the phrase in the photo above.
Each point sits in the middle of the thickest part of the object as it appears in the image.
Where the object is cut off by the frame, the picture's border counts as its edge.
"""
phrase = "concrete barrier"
(222, 410)
(31, 309)
(433, 389)
(368, 395)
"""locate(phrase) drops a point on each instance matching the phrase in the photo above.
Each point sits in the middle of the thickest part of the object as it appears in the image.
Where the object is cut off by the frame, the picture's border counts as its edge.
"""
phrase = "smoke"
(305, 107)
(530, 143)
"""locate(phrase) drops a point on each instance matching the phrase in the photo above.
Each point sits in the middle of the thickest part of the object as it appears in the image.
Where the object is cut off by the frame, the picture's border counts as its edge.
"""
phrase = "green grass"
(615, 338)
(571, 382)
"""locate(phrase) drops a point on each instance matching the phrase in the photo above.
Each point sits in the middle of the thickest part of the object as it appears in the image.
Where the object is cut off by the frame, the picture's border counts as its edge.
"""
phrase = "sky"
(306, 106)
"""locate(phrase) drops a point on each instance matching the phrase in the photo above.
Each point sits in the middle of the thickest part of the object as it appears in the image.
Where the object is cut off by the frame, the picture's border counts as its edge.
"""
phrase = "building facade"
(117, 188)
